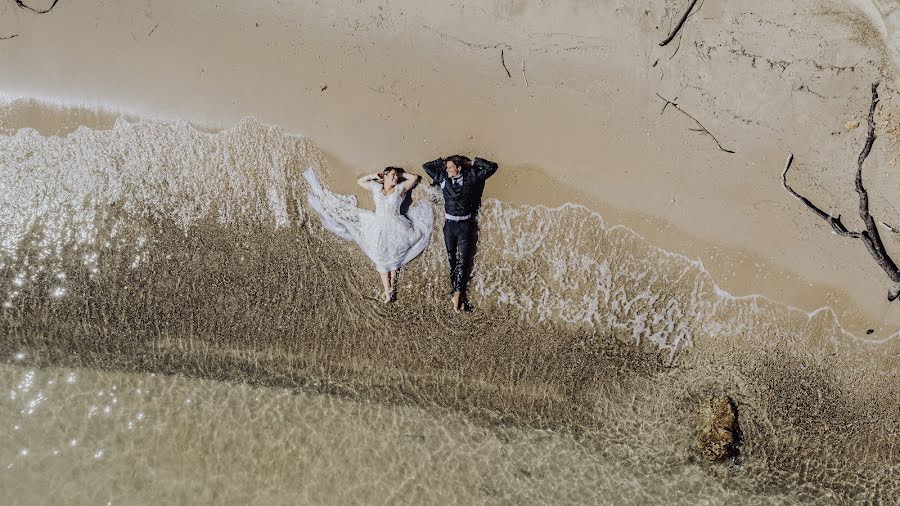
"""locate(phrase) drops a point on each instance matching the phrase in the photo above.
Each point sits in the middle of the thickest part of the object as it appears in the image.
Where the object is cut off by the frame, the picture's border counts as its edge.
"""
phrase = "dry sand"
(577, 120)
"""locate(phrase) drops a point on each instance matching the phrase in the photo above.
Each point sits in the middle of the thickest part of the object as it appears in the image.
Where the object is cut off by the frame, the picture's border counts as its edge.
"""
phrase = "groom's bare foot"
(455, 301)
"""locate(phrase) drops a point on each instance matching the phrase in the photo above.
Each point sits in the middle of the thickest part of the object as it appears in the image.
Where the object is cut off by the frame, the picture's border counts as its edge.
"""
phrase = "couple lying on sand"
(395, 233)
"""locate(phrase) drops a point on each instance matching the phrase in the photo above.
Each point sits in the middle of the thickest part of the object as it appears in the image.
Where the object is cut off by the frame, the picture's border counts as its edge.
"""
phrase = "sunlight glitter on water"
(316, 448)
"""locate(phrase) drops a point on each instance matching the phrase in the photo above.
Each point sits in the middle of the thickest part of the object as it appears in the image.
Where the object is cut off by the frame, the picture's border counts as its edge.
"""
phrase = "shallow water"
(151, 248)
(89, 437)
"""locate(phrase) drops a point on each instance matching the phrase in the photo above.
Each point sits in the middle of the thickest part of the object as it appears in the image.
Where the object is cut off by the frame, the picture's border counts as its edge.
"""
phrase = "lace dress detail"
(390, 239)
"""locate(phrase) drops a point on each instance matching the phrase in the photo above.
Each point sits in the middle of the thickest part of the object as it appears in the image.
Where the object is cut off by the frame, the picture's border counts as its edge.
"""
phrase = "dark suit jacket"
(465, 200)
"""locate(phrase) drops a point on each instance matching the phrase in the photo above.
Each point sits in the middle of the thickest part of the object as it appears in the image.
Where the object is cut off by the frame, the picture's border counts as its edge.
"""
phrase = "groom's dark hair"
(460, 161)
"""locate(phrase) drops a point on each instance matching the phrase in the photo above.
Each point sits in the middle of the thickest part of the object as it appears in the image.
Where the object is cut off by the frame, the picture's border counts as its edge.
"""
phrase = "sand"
(577, 119)
(153, 248)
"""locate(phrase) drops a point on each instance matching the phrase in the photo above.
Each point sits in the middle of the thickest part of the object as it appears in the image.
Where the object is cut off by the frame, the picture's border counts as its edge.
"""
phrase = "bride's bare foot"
(386, 297)
(455, 301)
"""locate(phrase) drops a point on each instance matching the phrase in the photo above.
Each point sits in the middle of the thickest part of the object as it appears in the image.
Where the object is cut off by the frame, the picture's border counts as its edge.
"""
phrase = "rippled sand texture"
(89, 437)
(155, 247)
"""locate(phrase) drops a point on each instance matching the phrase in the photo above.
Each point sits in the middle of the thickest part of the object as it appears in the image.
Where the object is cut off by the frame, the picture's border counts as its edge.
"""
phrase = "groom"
(462, 181)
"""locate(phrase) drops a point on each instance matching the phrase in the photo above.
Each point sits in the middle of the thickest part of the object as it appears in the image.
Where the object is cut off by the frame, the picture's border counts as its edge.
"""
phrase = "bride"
(389, 238)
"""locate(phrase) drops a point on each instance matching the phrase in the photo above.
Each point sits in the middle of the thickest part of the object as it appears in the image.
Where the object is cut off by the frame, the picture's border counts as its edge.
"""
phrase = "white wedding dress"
(388, 238)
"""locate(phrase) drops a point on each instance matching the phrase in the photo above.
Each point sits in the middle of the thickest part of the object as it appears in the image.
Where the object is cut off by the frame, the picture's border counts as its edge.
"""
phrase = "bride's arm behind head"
(366, 181)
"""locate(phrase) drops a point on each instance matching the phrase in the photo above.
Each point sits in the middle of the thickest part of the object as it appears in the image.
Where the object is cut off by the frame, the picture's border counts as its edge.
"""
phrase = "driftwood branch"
(21, 3)
(889, 227)
(873, 243)
(153, 30)
(503, 62)
(523, 73)
(834, 221)
(702, 128)
(667, 104)
(680, 24)
(677, 47)
(870, 237)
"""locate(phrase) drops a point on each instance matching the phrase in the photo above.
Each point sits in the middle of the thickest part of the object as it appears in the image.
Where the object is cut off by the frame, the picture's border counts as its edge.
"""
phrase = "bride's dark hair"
(397, 170)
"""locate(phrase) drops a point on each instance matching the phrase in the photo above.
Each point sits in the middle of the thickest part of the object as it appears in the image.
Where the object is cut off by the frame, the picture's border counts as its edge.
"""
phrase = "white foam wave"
(65, 185)
(615, 278)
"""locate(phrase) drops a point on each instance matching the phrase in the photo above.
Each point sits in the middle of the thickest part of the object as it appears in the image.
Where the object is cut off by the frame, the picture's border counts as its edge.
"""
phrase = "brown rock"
(718, 433)
(850, 125)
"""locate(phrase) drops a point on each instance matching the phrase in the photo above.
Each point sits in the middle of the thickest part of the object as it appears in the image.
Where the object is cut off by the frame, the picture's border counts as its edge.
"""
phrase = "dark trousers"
(460, 238)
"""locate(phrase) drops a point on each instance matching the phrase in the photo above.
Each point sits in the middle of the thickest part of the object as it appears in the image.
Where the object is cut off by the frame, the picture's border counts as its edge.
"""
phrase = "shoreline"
(401, 84)
(178, 260)
(58, 119)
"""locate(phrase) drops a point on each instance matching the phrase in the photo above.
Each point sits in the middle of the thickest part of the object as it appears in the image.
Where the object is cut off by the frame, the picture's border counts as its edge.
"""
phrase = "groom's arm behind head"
(484, 168)
(434, 169)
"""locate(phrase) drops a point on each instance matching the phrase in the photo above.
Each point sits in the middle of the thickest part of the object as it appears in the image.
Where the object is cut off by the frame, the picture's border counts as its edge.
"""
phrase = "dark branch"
(503, 62)
(524, 77)
(871, 237)
(702, 128)
(153, 30)
(680, 24)
(834, 221)
(666, 104)
(677, 47)
(681, 35)
(891, 228)
(9, 37)
(692, 14)
(21, 3)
